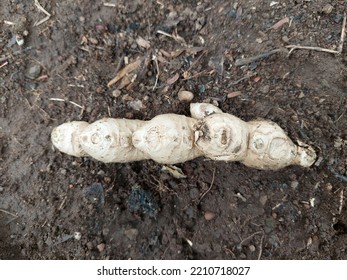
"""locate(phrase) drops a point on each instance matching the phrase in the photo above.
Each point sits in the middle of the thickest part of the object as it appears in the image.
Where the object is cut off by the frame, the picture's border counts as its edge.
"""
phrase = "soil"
(54, 206)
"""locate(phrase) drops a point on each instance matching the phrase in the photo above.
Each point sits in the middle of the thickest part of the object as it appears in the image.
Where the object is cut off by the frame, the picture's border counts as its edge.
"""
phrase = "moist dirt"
(54, 206)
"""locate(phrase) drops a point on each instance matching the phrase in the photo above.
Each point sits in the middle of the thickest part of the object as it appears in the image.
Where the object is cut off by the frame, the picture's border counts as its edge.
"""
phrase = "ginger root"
(171, 138)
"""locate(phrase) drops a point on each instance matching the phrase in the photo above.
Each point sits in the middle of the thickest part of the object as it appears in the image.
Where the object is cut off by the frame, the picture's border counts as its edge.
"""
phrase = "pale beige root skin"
(270, 148)
(65, 138)
(110, 140)
(306, 155)
(167, 139)
(202, 110)
(172, 138)
(222, 137)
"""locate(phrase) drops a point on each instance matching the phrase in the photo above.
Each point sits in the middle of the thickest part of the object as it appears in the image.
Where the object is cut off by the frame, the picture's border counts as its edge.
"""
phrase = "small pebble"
(263, 199)
(327, 9)
(116, 93)
(251, 248)
(209, 215)
(135, 105)
(93, 41)
(89, 245)
(1, 189)
(77, 235)
(33, 71)
(131, 233)
(101, 247)
(105, 231)
(202, 88)
(185, 96)
(20, 40)
(194, 193)
(285, 39)
(301, 95)
(265, 89)
(329, 187)
(294, 184)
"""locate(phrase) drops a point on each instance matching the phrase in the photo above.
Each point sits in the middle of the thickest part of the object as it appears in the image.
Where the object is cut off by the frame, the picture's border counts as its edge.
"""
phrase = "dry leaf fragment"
(174, 171)
(143, 43)
(194, 50)
(234, 94)
(173, 79)
(280, 23)
(126, 71)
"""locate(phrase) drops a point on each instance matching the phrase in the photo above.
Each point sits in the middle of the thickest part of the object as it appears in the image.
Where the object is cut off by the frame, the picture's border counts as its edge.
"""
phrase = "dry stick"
(4, 64)
(261, 246)
(203, 72)
(48, 15)
(71, 102)
(212, 181)
(339, 49)
(9, 213)
(157, 74)
(243, 61)
(109, 5)
(343, 33)
(319, 49)
(341, 202)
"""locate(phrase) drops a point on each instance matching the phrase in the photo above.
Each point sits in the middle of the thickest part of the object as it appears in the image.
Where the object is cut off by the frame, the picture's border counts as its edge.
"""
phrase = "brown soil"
(136, 211)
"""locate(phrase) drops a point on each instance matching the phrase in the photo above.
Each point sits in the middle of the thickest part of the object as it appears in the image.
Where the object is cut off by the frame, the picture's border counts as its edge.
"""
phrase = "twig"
(71, 102)
(197, 60)
(2, 59)
(48, 15)
(319, 49)
(9, 22)
(62, 203)
(165, 34)
(203, 72)
(341, 202)
(249, 237)
(343, 33)
(261, 246)
(176, 37)
(9, 213)
(154, 58)
(339, 49)
(212, 181)
(109, 5)
(243, 61)
(247, 76)
(4, 64)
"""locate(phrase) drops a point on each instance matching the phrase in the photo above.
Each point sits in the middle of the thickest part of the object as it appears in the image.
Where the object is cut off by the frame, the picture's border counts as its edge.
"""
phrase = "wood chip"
(234, 94)
(143, 43)
(280, 23)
